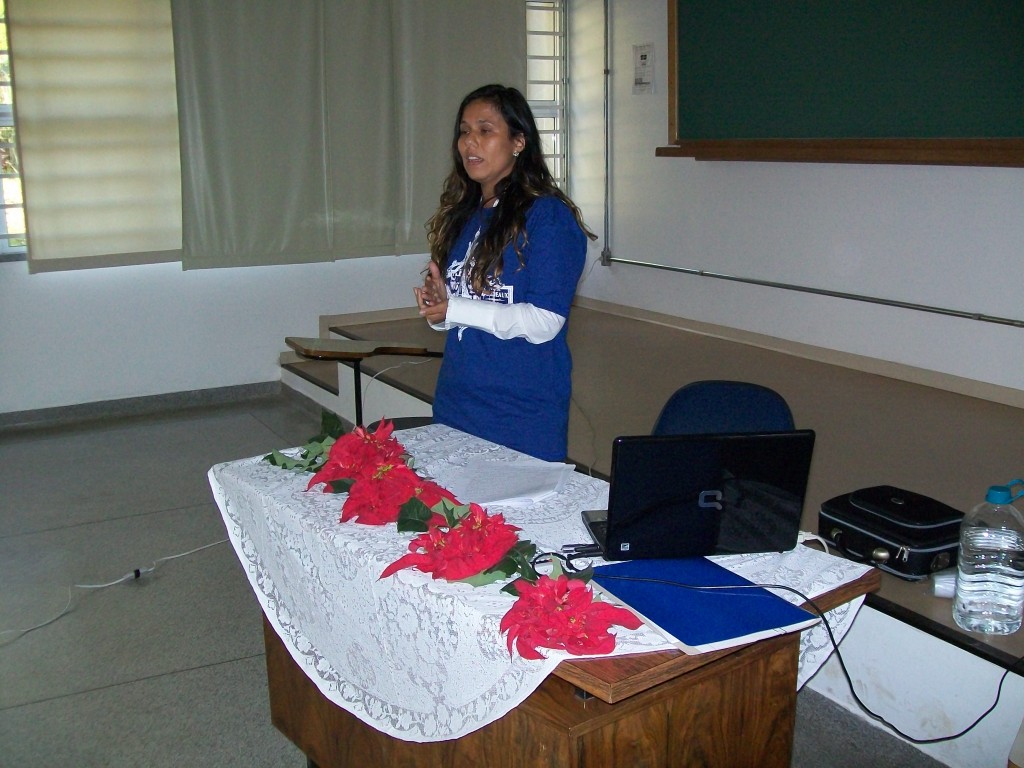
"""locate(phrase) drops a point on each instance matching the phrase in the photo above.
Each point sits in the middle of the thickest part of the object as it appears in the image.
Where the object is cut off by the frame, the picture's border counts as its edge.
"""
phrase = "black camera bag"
(902, 532)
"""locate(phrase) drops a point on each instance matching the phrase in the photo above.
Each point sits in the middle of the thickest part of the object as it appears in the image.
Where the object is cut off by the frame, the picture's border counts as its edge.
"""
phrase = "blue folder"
(662, 593)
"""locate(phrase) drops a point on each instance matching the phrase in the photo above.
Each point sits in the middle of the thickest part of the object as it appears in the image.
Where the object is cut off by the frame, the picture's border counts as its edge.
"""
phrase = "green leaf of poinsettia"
(314, 453)
(521, 556)
(584, 575)
(340, 485)
(452, 512)
(487, 577)
(414, 516)
(516, 560)
(529, 573)
(278, 459)
(318, 449)
(331, 426)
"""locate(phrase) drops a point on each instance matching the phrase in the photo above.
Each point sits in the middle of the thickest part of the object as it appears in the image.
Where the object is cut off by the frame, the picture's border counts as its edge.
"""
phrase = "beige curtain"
(315, 130)
(443, 51)
(309, 129)
(98, 131)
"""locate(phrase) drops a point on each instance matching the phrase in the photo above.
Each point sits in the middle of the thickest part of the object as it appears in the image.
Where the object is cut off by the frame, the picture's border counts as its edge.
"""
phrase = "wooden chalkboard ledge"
(982, 152)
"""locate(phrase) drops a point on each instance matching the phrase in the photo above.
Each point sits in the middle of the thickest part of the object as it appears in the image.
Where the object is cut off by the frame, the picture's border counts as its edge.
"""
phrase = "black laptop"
(694, 495)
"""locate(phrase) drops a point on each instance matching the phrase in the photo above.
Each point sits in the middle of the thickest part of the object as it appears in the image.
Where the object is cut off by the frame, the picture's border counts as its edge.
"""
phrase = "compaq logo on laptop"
(710, 500)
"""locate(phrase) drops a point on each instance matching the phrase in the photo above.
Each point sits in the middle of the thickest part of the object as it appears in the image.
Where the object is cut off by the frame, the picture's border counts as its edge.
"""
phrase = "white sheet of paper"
(520, 482)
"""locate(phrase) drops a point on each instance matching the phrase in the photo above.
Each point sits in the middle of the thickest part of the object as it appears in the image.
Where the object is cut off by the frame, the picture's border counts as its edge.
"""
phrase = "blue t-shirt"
(510, 391)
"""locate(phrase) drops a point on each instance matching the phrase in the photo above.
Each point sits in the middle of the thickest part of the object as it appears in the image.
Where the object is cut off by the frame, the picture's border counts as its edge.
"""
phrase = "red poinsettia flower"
(357, 454)
(562, 614)
(475, 544)
(377, 499)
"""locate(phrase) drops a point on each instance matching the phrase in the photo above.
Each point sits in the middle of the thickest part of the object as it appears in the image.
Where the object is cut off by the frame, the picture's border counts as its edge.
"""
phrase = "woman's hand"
(432, 298)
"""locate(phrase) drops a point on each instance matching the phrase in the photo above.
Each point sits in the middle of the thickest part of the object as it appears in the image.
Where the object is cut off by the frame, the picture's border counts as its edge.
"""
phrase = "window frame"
(10, 252)
(547, 28)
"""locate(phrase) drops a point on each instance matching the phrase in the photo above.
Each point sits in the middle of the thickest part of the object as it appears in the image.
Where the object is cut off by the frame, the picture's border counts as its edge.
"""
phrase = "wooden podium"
(730, 708)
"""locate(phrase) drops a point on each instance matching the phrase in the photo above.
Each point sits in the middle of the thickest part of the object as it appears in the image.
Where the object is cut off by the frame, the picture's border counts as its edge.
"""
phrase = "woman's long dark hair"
(529, 179)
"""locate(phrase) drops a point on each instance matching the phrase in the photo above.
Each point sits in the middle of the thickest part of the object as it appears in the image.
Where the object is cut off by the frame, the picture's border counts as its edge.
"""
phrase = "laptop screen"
(695, 495)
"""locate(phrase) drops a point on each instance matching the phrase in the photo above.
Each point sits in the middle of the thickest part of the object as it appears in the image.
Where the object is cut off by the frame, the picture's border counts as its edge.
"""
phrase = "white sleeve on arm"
(505, 321)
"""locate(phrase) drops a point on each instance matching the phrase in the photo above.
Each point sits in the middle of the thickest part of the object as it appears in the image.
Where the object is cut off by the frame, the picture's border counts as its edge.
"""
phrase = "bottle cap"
(998, 494)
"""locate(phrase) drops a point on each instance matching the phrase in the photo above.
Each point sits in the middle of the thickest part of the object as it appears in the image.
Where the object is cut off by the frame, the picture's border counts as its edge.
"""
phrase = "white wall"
(941, 236)
(103, 334)
(928, 689)
(948, 236)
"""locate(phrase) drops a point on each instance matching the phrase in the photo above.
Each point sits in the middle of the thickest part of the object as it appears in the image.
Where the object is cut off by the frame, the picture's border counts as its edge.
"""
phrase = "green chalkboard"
(886, 76)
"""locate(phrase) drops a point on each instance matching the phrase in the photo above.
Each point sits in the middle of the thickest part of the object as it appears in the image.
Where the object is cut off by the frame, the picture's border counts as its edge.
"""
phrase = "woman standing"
(507, 249)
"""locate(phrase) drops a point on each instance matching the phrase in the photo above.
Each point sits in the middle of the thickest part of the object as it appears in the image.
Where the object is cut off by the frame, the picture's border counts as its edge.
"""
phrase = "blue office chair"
(705, 407)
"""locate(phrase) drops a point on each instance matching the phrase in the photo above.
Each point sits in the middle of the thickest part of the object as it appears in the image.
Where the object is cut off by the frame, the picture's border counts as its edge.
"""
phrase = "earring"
(515, 154)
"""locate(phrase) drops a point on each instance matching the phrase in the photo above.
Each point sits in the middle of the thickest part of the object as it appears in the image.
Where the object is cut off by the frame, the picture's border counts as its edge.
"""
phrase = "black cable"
(565, 559)
(835, 645)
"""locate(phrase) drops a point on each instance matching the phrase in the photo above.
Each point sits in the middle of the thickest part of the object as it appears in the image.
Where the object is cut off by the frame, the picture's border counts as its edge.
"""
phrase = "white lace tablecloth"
(419, 659)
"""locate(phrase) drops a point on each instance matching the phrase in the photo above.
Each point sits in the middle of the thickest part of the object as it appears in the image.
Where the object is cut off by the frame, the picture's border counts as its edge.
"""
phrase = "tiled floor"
(168, 670)
(164, 671)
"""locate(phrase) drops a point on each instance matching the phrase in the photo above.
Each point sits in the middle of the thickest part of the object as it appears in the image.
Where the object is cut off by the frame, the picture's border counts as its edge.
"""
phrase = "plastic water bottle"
(990, 567)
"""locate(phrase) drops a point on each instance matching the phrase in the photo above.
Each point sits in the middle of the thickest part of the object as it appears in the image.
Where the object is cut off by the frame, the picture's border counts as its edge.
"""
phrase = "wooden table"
(735, 707)
(355, 351)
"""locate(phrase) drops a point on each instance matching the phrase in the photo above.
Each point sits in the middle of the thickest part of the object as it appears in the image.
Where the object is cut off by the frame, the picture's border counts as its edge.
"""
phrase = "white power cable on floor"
(137, 573)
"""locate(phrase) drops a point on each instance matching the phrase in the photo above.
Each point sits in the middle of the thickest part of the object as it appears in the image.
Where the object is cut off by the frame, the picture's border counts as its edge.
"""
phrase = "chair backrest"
(705, 407)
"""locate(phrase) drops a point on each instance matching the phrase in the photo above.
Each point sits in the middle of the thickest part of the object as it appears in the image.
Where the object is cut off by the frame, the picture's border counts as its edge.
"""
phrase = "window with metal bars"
(12, 220)
(547, 80)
